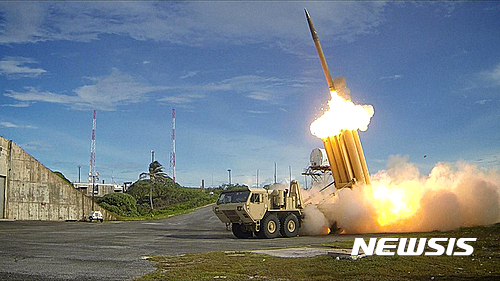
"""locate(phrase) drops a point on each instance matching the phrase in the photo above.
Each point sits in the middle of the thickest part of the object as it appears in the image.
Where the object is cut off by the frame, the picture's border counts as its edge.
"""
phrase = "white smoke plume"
(400, 199)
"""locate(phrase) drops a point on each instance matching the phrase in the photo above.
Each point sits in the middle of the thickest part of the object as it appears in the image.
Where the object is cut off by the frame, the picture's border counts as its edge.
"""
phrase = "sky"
(246, 83)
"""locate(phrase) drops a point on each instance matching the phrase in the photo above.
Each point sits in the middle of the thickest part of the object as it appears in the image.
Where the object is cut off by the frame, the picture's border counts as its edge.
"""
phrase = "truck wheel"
(290, 226)
(269, 227)
(240, 232)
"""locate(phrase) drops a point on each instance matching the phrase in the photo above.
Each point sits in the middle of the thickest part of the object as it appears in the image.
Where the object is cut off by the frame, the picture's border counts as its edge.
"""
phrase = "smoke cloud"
(400, 199)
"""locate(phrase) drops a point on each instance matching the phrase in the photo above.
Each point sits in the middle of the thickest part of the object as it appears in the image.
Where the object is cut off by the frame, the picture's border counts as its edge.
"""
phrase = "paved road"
(36, 250)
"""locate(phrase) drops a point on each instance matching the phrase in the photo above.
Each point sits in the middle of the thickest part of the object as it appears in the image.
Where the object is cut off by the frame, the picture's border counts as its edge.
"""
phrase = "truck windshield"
(233, 197)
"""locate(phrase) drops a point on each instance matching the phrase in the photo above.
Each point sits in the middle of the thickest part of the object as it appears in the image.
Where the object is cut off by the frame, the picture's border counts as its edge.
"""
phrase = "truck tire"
(240, 232)
(290, 226)
(269, 227)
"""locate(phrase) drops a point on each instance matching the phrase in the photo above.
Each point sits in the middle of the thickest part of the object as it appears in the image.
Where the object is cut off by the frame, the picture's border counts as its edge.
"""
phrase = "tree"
(155, 174)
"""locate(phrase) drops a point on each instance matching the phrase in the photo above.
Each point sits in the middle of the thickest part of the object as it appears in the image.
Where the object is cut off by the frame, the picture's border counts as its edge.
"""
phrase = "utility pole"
(152, 156)
(229, 171)
(275, 172)
(79, 168)
(257, 178)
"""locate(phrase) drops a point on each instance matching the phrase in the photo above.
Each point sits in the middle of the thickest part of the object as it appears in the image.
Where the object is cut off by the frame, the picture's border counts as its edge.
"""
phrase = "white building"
(101, 189)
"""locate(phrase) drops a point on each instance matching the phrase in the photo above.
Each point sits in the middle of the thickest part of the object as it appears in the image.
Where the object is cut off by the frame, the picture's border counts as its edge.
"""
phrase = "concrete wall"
(34, 192)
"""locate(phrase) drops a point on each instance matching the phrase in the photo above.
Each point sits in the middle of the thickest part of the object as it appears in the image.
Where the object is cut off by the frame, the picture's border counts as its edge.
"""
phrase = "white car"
(96, 216)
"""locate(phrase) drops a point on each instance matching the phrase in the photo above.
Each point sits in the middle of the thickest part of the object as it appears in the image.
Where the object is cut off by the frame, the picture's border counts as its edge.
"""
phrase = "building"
(101, 189)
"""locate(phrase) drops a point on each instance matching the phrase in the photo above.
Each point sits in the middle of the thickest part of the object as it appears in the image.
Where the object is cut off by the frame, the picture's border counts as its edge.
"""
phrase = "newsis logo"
(435, 246)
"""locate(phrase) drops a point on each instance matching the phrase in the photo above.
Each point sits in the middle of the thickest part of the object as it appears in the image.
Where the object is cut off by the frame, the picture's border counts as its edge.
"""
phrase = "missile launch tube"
(329, 143)
(362, 159)
(337, 155)
(354, 156)
(345, 157)
(320, 52)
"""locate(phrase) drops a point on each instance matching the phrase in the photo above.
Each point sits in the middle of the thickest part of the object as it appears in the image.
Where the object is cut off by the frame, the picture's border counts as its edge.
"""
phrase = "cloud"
(104, 93)
(15, 67)
(181, 99)
(447, 8)
(18, 104)
(6, 124)
(391, 77)
(257, 112)
(120, 89)
(257, 87)
(265, 89)
(191, 23)
(260, 96)
(482, 102)
(492, 76)
(189, 74)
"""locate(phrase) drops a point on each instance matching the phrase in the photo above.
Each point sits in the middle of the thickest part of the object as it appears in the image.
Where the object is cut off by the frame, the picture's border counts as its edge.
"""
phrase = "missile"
(337, 84)
(344, 151)
(314, 34)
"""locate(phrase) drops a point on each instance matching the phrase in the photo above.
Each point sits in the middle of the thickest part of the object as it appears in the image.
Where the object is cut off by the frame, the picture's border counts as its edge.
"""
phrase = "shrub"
(120, 203)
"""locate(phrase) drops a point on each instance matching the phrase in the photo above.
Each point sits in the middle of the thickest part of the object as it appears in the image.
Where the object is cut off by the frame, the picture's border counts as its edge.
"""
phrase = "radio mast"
(172, 154)
(93, 176)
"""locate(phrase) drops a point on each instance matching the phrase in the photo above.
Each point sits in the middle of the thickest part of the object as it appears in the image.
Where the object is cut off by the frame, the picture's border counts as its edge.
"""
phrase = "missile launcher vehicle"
(265, 213)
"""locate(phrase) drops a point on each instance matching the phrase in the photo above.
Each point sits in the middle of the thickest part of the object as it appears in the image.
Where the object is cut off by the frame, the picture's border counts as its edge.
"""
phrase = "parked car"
(96, 216)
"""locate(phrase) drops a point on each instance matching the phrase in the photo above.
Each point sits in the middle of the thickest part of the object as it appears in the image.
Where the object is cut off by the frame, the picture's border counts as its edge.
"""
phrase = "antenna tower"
(172, 154)
(92, 149)
(93, 176)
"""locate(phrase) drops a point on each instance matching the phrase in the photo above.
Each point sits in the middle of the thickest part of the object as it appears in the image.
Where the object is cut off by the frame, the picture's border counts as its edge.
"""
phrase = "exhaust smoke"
(401, 199)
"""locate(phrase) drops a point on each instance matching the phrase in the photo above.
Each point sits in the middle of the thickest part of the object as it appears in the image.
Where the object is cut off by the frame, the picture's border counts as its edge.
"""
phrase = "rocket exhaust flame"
(401, 199)
(342, 115)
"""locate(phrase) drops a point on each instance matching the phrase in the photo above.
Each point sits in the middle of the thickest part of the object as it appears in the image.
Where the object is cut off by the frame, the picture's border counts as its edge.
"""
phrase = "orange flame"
(393, 203)
(342, 114)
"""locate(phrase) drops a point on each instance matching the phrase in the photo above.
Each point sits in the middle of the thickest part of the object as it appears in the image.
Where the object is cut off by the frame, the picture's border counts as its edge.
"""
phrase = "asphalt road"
(37, 250)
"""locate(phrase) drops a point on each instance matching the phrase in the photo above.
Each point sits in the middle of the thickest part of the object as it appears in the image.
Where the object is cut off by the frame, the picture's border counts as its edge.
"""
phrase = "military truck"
(266, 213)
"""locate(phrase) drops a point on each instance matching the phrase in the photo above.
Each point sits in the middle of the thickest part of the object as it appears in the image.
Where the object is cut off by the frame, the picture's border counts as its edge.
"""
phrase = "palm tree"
(154, 175)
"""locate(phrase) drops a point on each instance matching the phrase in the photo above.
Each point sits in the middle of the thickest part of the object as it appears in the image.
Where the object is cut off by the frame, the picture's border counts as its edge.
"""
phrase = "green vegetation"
(484, 264)
(156, 195)
(59, 174)
(155, 175)
(120, 203)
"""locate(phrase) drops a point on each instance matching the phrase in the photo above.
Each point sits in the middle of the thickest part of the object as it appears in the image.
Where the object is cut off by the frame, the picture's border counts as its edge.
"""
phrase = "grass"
(174, 210)
(483, 264)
